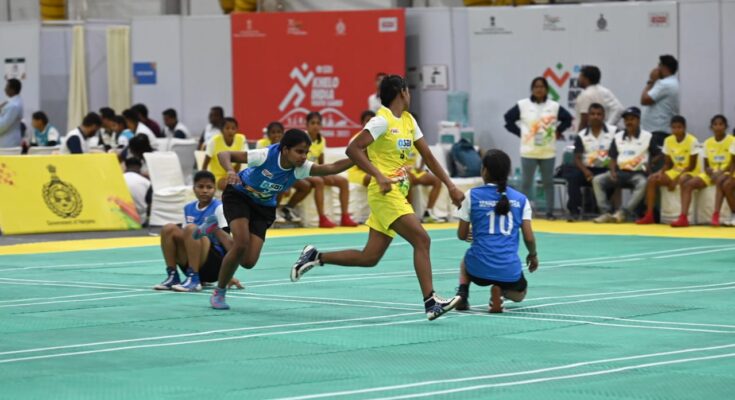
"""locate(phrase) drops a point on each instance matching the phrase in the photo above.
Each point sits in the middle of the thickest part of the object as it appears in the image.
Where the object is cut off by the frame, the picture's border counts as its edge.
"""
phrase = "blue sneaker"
(191, 284)
(308, 259)
(218, 299)
(171, 280)
(207, 228)
(435, 306)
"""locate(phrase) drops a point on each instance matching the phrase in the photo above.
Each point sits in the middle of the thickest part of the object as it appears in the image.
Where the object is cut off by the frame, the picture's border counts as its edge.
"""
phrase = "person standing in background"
(661, 99)
(11, 113)
(589, 80)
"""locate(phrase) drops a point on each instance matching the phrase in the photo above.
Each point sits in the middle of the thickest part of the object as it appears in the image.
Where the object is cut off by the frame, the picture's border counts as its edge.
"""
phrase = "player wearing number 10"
(496, 214)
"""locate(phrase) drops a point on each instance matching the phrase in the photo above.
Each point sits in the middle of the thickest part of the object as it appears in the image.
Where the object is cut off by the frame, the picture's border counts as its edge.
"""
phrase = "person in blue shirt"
(197, 247)
(249, 200)
(496, 215)
(11, 114)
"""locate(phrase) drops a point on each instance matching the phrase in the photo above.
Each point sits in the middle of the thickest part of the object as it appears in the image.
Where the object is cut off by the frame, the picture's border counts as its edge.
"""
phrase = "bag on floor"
(465, 159)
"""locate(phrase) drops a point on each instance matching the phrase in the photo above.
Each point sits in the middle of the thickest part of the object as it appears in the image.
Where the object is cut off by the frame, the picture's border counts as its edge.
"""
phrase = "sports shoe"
(435, 306)
(496, 300)
(325, 222)
(279, 216)
(217, 301)
(646, 220)
(207, 228)
(347, 221)
(172, 279)
(290, 214)
(716, 218)
(308, 259)
(604, 218)
(681, 222)
(731, 222)
(619, 216)
(430, 218)
(191, 284)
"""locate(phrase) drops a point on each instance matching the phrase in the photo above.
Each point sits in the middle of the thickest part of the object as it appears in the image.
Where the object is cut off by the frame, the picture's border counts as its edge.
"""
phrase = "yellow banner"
(64, 193)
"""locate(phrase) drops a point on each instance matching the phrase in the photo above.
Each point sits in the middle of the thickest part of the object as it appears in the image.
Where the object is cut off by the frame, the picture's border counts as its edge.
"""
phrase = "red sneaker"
(681, 222)
(716, 218)
(347, 221)
(325, 222)
(646, 220)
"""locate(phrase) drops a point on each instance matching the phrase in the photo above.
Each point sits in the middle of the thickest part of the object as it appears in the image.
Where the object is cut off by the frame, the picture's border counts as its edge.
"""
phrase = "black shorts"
(209, 271)
(238, 205)
(518, 286)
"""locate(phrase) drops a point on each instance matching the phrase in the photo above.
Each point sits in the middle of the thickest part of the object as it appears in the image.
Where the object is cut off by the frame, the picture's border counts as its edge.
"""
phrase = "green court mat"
(607, 317)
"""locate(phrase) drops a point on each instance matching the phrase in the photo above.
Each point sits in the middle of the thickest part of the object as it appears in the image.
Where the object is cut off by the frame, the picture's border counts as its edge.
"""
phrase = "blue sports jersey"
(494, 251)
(263, 182)
(195, 216)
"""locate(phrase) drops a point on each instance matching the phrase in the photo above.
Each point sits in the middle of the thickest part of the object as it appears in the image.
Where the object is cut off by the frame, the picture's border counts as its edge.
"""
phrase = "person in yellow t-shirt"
(681, 149)
(717, 160)
(355, 174)
(388, 138)
(273, 134)
(228, 140)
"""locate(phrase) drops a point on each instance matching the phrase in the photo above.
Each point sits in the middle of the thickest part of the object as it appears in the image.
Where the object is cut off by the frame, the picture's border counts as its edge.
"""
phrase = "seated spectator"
(200, 244)
(121, 135)
(172, 126)
(630, 154)
(75, 142)
(591, 157)
(44, 134)
(717, 158)
(419, 176)
(139, 186)
(108, 117)
(680, 150)
(273, 133)
(228, 140)
(11, 114)
(138, 128)
(216, 123)
(355, 174)
(142, 112)
(137, 147)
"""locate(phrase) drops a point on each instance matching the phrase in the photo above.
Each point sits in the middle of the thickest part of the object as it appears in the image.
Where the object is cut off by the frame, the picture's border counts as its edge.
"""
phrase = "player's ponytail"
(497, 169)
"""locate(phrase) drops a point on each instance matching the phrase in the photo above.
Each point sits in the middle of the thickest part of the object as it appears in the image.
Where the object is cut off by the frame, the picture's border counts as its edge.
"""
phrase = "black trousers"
(575, 182)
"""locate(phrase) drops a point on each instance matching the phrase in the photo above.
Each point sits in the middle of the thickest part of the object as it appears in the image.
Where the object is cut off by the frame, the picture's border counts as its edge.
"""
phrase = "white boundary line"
(648, 321)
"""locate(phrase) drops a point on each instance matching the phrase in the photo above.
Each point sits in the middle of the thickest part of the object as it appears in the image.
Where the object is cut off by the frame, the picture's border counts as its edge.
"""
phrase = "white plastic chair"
(184, 149)
(170, 193)
(10, 151)
(43, 150)
(199, 156)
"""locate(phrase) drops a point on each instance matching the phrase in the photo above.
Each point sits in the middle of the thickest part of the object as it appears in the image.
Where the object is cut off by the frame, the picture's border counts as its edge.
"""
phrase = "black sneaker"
(308, 259)
(290, 215)
(435, 306)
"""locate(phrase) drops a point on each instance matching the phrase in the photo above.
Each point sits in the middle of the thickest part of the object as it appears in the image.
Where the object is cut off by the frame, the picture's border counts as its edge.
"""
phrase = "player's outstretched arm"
(331, 169)
(225, 160)
(455, 194)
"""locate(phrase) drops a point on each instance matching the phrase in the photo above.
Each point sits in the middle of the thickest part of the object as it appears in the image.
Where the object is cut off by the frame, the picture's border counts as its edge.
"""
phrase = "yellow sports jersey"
(355, 174)
(217, 145)
(316, 150)
(681, 152)
(718, 153)
(389, 151)
(262, 143)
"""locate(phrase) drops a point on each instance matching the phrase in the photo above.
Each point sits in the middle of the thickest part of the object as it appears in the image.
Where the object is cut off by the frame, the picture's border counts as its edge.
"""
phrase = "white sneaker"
(729, 223)
(430, 218)
(619, 216)
(604, 218)
(279, 216)
(290, 214)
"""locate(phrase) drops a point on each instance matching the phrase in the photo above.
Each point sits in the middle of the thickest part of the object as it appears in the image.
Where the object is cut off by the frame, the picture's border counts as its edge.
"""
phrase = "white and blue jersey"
(195, 215)
(264, 178)
(493, 254)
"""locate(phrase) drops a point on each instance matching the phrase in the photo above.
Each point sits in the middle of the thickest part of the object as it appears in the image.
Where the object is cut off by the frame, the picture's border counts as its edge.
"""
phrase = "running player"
(681, 149)
(716, 165)
(249, 200)
(388, 138)
(495, 213)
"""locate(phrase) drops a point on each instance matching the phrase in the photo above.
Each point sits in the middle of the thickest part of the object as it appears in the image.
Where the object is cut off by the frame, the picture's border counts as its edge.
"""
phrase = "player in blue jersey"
(496, 214)
(250, 197)
(199, 245)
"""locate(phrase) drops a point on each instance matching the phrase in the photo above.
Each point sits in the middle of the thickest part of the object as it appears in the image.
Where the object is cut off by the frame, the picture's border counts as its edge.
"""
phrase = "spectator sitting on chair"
(138, 128)
(11, 114)
(228, 140)
(419, 176)
(44, 134)
(216, 123)
(139, 186)
(591, 157)
(355, 174)
(108, 119)
(680, 149)
(172, 126)
(630, 155)
(75, 142)
(142, 112)
(137, 147)
(717, 159)
(661, 98)
(589, 80)
(539, 122)
(273, 133)
(120, 133)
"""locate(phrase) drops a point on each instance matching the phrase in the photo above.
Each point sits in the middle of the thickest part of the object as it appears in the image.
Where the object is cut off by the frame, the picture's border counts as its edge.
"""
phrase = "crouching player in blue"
(249, 199)
(199, 245)
(496, 213)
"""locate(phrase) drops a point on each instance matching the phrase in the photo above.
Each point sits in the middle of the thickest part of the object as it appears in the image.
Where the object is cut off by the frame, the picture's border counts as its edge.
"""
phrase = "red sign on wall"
(286, 65)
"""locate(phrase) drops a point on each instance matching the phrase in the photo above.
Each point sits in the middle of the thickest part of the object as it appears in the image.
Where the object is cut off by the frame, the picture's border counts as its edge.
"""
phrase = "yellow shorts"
(673, 174)
(417, 173)
(385, 209)
(705, 178)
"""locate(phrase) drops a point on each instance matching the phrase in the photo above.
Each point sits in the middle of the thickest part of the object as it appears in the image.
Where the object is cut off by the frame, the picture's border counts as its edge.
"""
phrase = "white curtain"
(118, 67)
(78, 104)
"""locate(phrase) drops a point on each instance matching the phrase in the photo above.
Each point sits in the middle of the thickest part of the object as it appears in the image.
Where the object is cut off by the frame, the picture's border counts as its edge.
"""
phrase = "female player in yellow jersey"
(680, 149)
(717, 158)
(388, 138)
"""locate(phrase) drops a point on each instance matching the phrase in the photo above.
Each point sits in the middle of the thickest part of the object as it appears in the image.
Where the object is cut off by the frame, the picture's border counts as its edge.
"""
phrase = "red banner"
(288, 64)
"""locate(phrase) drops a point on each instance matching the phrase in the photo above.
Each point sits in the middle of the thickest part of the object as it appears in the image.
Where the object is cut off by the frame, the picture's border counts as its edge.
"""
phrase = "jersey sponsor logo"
(404, 144)
(189, 219)
(267, 173)
(492, 203)
(270, 186)
(394, 131)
